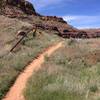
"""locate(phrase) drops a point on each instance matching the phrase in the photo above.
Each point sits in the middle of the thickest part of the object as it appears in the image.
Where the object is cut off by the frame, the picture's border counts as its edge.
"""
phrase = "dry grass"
(11, 64)
(67, 75)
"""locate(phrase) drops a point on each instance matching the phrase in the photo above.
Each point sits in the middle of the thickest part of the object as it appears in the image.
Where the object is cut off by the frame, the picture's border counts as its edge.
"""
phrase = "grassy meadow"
(71, 73)
(13, 63)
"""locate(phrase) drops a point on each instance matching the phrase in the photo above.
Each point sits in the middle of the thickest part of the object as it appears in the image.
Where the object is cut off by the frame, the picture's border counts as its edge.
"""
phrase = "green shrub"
(93, 88)
(46, 58)
(71, 42)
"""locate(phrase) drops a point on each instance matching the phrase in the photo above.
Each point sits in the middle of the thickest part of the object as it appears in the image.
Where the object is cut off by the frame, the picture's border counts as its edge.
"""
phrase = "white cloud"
(79, 21)
(83, 21)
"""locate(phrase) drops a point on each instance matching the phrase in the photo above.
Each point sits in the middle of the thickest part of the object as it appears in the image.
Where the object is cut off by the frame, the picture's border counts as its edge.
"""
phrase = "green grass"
(48, 87)
(66, 75)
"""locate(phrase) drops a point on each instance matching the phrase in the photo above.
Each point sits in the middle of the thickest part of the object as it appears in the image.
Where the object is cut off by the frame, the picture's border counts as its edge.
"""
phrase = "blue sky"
(79, 13)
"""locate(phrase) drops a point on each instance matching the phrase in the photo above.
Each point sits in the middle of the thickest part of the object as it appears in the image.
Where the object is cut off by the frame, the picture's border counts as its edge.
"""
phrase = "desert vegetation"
(13, 63)
(71, 73)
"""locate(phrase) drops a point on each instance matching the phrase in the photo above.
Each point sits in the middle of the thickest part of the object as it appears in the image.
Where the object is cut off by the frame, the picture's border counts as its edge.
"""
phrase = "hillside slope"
(25, 11)
(13, 63)
(20, 15)
(71, 73)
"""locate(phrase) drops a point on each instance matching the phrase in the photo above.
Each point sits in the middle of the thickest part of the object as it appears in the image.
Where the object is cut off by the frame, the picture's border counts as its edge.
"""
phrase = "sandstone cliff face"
(58, 24)
(23, 9)
(25, 6)
(20, 7)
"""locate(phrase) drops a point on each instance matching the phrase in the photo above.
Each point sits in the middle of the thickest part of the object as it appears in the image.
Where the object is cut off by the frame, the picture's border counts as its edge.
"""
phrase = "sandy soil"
(16, 91)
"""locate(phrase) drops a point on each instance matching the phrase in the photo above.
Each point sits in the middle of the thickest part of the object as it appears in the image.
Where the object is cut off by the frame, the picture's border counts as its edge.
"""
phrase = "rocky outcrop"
(13, 7)
(65, 30)
(62, 27)
(53, 18)
(25, 6)
(92, 33)
(22, 10)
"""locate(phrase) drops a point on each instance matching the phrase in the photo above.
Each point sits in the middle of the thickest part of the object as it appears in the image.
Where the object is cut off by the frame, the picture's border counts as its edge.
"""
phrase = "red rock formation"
(16, 8)
(22, 9)
(53, 18)
(92, 33)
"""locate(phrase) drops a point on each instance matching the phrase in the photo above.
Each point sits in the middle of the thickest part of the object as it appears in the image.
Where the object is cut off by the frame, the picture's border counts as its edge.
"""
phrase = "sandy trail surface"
(16, 91)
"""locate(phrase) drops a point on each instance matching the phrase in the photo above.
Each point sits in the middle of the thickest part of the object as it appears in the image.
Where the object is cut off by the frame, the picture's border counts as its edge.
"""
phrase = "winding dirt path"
(16, 91)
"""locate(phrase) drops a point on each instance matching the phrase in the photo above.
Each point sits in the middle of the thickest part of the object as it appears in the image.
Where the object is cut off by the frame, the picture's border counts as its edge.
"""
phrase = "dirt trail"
(16, 91)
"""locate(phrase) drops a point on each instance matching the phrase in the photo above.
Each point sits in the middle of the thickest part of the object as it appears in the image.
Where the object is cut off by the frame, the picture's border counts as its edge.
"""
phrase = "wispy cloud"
(60, 7)
(83, 21)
